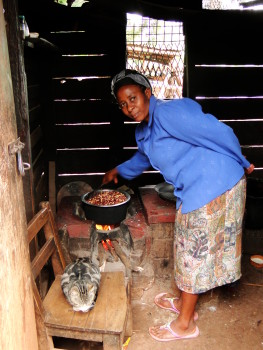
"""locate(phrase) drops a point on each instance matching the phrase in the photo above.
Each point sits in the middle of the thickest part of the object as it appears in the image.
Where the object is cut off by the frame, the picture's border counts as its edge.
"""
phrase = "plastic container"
(257, 261)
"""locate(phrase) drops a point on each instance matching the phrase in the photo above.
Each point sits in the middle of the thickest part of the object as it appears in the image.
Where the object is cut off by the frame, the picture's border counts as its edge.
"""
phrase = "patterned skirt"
(207, 242)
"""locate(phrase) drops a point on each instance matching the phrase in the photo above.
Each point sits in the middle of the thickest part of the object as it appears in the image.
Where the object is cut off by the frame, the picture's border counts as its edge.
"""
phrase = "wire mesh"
(156, 48)
(221, 4)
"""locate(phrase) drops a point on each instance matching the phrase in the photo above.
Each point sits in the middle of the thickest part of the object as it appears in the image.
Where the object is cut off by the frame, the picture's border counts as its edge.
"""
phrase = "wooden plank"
(50, 231)
(36, 223)
(257, 173)
(52, 187)
(233, 108)
(248, 133)
(111, 342)
(129, 135)
(35, 116)
(111, 304)
(254, 155)
(95, 180)
(33, 103)
(39, 166)
(85, 161)
(56, 305)
(224, 37)
(41, 187)
(62, 18)
(36, 136)
(37, 153)
(86, 111)
(91, 88)
(83, 136)
(93, 65)
(107, 317)
(34, 90)
(226, 81)
(91, 44)
(129, 326)
(85, 42)
(42, 257)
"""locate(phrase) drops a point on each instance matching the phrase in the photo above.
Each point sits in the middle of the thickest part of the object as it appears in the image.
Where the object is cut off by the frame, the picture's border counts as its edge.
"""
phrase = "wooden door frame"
(17, 317)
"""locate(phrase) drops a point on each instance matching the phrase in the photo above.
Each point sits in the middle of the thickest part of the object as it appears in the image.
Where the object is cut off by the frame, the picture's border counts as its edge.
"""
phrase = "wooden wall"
(84, 132)
(39, 55)
(87, 123)
(18, 326)
(225, 70)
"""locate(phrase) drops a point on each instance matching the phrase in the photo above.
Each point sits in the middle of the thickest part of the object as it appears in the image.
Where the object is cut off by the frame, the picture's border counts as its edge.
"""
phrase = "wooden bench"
(108, 322)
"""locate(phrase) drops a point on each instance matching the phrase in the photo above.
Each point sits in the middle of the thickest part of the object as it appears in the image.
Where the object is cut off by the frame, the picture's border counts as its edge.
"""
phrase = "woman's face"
(134, 102)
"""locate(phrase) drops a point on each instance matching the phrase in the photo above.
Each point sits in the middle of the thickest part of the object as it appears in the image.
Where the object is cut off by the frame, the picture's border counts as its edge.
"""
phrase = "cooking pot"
(105, 214)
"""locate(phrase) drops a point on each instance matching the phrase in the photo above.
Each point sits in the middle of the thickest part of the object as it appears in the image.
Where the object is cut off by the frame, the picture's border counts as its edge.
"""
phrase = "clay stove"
(149, 226)
(111, 243)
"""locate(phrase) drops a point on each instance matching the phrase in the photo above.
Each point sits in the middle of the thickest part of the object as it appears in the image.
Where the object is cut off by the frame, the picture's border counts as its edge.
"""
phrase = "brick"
(162, 248)
(157, 210)
(164, 230)
(76, 227)
(79, 247)
(137, 226)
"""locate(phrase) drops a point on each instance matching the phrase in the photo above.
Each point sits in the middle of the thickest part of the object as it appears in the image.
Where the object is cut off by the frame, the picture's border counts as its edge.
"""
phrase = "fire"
(107, 245)
(104, 227)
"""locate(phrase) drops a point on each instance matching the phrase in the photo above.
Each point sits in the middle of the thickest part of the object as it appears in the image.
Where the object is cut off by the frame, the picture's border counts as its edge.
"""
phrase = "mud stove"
(146, 234)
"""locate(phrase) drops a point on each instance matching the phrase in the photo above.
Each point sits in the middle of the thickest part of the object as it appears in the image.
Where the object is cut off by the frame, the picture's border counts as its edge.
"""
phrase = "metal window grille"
(156, 48)
(232, 4)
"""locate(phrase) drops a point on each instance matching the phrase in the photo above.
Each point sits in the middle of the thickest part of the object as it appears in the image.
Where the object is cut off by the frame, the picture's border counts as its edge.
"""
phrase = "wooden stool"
(106, 322)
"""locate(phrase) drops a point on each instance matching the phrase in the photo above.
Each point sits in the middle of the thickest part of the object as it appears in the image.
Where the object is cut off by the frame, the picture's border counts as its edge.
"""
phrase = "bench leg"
(129, 325)
(112, 342)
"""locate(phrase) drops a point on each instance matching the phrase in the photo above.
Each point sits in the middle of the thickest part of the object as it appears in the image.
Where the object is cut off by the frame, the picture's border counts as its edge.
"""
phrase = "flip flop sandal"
(175, 336)
(171, 301)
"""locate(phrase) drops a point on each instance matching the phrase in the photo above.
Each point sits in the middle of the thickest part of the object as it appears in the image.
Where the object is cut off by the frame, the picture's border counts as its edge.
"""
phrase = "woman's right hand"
(250, 169)
(111, 175)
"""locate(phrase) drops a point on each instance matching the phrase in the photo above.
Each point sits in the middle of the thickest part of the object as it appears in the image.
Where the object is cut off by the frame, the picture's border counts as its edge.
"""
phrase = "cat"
(80, 282)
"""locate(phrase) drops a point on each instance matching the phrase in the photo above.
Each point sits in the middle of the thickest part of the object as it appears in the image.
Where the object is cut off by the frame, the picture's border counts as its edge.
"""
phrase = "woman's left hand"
(250, 169)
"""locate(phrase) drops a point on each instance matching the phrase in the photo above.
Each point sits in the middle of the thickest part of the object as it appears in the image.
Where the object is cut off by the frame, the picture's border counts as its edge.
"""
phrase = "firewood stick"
(253, 284)
(113, 253)
(101, 254)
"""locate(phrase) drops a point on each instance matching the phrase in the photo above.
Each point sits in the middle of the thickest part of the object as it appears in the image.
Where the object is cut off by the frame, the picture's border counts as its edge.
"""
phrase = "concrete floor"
(230, 318)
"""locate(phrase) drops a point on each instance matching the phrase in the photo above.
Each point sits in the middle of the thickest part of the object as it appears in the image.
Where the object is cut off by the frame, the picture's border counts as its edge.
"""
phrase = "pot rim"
(90, 194)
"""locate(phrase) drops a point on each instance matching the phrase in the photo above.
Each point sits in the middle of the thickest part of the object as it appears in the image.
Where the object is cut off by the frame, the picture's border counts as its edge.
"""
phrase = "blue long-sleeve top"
(196, 153)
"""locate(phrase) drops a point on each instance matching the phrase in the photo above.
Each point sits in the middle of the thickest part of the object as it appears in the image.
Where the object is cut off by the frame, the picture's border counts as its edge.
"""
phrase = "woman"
(202, 159)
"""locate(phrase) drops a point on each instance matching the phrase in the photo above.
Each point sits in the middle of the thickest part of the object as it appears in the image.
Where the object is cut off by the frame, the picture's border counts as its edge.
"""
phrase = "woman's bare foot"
(173, 331)
(170, 302)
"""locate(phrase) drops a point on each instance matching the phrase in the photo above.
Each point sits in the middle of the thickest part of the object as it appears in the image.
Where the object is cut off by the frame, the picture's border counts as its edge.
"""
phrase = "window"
(156, 49)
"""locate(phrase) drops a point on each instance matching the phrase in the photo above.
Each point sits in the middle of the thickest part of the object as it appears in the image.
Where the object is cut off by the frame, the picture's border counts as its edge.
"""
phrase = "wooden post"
(17, 317)
(16, 58)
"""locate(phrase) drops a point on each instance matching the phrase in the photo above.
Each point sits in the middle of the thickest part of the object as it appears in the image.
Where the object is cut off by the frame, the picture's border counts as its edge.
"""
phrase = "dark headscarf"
(128, 77)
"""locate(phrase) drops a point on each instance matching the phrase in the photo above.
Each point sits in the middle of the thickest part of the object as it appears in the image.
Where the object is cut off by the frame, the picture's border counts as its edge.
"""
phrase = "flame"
(104, 227)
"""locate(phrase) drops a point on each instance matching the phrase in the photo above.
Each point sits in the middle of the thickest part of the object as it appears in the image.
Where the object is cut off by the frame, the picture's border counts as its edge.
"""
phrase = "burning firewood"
(101, 255)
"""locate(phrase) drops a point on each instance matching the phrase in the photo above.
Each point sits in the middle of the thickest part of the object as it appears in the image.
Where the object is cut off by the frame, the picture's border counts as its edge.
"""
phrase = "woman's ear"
(148, 92)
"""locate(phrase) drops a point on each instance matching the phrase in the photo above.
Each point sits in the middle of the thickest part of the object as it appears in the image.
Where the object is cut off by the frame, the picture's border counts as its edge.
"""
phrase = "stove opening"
(111, 244)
